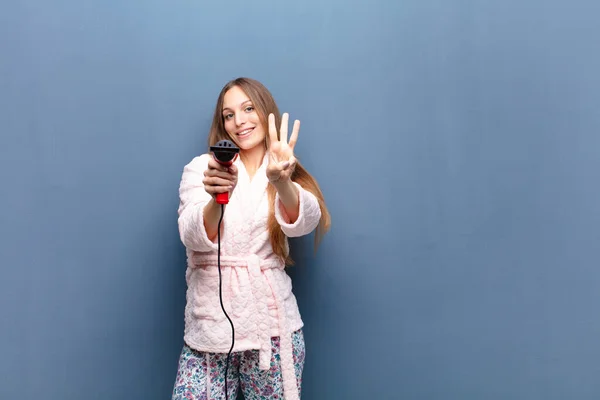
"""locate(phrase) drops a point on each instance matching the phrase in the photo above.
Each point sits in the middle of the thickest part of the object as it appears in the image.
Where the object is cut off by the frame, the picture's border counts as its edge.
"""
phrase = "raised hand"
(281, 151)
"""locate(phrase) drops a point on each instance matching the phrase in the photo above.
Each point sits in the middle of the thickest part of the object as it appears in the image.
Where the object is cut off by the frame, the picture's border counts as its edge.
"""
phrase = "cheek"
(254, 119)
(259, 127)
(261, 134)
(229, 126)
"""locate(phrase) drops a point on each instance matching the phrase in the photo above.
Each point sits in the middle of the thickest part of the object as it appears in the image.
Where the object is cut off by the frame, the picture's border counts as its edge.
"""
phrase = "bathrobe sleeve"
(308, 216)
(192, 200)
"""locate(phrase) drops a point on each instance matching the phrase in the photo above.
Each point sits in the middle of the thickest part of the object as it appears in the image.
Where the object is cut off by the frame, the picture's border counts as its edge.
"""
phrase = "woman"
(271, 197)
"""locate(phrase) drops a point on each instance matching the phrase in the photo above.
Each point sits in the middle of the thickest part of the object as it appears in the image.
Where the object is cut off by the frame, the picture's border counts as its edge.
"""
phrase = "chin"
(249, 143)
(250, 146)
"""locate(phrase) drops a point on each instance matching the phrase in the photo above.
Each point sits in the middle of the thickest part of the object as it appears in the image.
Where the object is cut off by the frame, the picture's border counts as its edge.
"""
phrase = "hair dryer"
(225, 153)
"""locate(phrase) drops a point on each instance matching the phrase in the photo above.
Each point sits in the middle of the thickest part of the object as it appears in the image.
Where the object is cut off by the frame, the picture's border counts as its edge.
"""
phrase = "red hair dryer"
(225, 153)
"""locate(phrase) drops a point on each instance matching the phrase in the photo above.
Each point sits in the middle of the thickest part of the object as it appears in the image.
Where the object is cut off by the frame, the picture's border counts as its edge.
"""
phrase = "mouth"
(245, 133)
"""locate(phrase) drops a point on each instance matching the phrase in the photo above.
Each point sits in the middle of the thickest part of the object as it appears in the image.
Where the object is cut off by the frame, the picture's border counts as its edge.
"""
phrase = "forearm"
(212, 214)
(288, 196)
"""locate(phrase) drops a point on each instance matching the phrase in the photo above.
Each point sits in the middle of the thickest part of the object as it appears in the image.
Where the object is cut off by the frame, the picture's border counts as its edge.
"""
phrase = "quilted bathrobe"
(257, 292)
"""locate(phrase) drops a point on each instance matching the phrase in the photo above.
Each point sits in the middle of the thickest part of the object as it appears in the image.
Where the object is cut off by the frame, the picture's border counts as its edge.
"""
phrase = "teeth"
(244, 132)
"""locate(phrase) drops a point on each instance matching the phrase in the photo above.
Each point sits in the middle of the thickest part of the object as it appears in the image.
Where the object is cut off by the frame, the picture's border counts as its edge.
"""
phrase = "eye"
(228, 116)
(249, 109)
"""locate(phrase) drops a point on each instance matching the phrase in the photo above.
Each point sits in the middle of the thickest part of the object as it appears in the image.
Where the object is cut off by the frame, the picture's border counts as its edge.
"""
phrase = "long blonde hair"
(264, 103)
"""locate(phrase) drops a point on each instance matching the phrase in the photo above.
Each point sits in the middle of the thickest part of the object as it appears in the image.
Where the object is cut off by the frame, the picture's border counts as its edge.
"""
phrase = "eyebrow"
(241, 104)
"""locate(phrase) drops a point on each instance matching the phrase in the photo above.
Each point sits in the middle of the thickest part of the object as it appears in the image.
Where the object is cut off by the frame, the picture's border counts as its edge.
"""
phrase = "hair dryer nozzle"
(225, 151)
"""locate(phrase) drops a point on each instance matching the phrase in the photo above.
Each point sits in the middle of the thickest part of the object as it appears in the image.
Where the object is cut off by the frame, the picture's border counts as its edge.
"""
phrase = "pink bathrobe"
(257, 292)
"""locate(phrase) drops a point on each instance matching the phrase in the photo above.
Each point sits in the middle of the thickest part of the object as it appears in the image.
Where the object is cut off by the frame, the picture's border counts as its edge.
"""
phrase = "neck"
(253, 159)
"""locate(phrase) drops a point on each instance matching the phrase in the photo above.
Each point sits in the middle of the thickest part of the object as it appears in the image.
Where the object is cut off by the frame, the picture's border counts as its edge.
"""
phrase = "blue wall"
(457, 143)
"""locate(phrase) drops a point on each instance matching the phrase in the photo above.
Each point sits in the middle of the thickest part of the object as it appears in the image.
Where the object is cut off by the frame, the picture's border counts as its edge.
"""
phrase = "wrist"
(285, 186)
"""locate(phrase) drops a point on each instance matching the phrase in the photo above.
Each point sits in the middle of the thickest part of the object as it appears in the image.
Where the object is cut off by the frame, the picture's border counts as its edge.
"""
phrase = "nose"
(240, 119)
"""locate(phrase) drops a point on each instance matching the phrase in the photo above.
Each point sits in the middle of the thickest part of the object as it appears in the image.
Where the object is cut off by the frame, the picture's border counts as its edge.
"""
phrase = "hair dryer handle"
(222, 198)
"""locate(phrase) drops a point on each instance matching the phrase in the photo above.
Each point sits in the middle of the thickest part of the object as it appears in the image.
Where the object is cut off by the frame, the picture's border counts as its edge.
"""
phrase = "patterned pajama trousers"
(194, 367)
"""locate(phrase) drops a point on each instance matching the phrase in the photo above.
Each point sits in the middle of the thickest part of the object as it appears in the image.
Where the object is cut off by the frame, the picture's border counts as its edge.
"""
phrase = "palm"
(281, 151)
(281, 158)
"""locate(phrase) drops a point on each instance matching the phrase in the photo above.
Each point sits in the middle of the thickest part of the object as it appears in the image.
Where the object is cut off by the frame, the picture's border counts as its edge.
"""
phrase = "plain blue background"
(457, 144)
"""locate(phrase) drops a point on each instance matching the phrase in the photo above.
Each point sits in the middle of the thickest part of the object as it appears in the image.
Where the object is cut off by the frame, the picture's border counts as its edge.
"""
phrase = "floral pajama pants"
(243, 372)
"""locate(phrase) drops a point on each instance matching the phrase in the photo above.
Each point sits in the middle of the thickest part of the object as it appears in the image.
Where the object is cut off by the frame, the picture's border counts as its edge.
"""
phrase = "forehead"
(234, 98)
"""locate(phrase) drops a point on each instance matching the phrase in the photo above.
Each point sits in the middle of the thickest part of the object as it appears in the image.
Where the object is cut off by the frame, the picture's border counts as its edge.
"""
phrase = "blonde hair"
(264, 104)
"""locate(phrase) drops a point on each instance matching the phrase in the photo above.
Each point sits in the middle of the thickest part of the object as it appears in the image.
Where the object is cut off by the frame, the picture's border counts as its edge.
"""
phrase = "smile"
(244, 133)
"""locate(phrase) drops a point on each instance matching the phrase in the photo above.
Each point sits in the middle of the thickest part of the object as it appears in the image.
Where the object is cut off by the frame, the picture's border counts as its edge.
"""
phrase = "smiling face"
(241, 120)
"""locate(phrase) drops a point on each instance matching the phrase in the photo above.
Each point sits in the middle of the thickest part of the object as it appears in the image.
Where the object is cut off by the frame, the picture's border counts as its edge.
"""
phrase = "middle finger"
(283, 131)
(219, 173)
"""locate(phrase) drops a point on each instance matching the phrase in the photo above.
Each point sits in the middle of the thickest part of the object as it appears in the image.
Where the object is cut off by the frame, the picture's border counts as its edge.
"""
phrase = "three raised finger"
(283, 130)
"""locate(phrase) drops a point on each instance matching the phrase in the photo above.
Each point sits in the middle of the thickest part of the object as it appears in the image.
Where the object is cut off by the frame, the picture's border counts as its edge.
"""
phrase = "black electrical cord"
(221, 296)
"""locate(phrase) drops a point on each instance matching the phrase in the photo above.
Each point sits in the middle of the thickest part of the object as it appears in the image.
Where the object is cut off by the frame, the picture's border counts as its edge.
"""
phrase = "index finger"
(272, 129)
(213, 164)
(217, 166)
